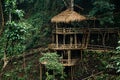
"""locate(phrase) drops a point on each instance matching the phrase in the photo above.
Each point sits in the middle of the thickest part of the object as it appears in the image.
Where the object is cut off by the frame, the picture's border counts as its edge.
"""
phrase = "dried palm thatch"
(68, 16)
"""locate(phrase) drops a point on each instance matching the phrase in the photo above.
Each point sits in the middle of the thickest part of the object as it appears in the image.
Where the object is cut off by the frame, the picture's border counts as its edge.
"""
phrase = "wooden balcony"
(67, 62)
(66, 46)
(83, 30)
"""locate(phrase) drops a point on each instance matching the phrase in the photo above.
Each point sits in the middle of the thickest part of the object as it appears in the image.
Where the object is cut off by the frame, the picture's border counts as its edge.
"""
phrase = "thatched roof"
(68, 16)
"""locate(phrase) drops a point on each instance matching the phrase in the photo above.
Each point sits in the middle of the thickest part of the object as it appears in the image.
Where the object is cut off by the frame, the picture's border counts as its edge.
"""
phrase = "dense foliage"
(52, 63)
(27, 26)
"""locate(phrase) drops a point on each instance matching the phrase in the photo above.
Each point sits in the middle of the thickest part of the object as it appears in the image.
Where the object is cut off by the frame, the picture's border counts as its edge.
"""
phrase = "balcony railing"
(81, 30)
(68, 30)
(79, 46)
(66, 46)
(99, 47)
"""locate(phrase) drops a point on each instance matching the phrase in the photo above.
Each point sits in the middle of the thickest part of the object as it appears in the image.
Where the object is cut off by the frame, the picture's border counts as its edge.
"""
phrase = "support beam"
(69, 57)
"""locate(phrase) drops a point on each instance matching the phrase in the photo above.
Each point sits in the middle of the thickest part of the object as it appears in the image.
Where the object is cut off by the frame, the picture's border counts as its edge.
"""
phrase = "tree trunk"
(2, 18)
(72, 5)
(5, 56)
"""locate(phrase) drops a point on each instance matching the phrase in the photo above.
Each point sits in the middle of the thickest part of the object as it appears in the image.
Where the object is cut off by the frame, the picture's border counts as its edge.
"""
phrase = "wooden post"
(40, 71)
(75, 36)
(103, 39)
(88, 37)
(56, 36)
(83, 39)
(71, 40)
(64, 39)
(69, 56)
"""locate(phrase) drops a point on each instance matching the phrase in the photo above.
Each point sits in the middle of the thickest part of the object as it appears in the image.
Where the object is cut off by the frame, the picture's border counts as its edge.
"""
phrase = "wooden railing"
(81, 30)
(68, 30)
(99, 47)
(79, 46)
(66, 46)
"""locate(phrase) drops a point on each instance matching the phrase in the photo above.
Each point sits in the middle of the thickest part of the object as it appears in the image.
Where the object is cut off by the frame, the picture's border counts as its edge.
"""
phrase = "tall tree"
(1, 18)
